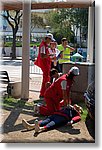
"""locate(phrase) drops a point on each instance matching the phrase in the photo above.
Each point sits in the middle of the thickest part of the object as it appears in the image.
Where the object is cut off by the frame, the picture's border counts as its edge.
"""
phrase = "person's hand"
(51, 54)
(61, 55)
(65, 103)
(70, 122)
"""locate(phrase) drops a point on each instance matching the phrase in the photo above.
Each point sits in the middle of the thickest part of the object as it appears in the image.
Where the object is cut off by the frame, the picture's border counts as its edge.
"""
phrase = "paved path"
(14, 69)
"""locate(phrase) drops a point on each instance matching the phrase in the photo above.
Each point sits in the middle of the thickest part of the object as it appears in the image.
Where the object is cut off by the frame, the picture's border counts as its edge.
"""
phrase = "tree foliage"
(37, 21)
(65, 21)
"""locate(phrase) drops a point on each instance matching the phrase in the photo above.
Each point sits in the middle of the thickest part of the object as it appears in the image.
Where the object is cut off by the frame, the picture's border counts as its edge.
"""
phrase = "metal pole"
(26, 49)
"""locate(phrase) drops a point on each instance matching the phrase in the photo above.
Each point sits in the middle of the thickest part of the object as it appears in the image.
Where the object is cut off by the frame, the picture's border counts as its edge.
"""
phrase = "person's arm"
(43, 55)
(71, 48)
(65, 94)
(43, 52)
(74, 120)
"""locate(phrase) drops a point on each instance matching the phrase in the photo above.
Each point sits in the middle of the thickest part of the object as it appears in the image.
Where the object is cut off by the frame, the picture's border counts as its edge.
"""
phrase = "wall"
(87, 75)
(18, 51)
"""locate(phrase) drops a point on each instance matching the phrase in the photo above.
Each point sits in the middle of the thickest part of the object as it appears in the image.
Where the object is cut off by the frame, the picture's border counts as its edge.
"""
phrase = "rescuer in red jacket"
(58, 91)
(44, 61)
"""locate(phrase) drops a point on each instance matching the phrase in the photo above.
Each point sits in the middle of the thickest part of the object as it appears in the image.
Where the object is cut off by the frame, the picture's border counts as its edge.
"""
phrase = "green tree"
(66, 21)
(37, 21)
(13, 19)
(60, 24)
(79, 21)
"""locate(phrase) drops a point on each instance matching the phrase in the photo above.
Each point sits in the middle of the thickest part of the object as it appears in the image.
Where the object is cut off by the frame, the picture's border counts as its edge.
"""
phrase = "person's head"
(54, 73)
(64, 42)
(49, 38)
(78, 108)
(74, 71)
(53, 44)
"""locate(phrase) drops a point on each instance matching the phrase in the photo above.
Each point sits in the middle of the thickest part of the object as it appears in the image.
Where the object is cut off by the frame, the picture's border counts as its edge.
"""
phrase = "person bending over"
(56, 92)
(54, 75)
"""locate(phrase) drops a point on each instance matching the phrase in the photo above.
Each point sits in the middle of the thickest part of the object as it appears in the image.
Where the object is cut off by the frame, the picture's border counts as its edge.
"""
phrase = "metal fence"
(34, 69)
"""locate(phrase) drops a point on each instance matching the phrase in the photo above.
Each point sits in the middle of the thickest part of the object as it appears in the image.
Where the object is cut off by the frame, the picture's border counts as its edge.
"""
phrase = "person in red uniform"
(44, 61)
(54, 75)
(58, 91)
(66, 116)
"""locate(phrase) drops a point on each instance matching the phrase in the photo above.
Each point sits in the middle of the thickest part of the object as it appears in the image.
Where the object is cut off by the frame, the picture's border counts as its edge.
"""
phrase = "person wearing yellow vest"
(66, 52)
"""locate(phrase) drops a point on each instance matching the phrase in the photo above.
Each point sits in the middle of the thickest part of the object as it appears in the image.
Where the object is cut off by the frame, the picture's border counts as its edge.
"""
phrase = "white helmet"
(49, 35)
(74, 70)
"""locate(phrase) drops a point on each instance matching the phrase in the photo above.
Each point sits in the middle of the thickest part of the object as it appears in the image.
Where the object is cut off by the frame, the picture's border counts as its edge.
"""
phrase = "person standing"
(55, 52)
(44, 61)
(66, 52)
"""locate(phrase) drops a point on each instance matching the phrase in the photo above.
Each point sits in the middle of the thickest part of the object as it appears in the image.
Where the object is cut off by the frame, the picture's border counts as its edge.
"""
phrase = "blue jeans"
(53, 121)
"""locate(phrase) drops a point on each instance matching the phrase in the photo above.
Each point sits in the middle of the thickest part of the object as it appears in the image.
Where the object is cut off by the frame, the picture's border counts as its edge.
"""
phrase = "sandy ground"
(14, 132)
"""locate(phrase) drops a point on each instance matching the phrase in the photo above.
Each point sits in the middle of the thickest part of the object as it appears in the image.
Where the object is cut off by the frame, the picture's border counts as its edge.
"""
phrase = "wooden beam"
(12, 6)
(70, 4)
(17, 5)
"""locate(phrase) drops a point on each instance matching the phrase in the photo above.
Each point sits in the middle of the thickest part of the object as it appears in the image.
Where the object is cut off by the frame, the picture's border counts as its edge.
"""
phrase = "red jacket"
(55, 90)
(69, 113)
(43, 62)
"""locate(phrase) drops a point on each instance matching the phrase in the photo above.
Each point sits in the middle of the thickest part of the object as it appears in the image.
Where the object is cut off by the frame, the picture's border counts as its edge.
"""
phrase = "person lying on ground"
(66, 116)
(56, 92)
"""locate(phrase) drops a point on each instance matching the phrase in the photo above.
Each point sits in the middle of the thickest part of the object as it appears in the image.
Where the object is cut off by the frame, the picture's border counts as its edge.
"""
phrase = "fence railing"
(34, 69)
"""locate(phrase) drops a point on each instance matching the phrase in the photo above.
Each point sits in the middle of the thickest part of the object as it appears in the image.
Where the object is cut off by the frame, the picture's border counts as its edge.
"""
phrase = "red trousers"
(46, 78)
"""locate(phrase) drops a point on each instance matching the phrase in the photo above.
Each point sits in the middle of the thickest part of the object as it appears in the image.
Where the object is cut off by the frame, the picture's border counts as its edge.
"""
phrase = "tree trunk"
(13, 49)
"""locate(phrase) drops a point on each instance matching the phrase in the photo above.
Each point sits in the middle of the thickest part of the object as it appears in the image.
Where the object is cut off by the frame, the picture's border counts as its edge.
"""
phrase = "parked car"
(90, 99)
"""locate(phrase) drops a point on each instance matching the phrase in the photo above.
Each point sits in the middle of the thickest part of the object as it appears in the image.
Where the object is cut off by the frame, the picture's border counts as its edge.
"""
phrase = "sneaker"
(37, 128)
(27, 125)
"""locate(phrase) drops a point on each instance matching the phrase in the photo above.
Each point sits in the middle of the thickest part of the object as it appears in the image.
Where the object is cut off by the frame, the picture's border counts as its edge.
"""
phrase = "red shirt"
(55, 90)
(43, 62)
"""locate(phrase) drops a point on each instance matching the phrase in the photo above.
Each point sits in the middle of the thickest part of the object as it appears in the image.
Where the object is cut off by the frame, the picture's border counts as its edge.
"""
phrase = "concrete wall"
(87, 75)
(15, 88)
(18, 51)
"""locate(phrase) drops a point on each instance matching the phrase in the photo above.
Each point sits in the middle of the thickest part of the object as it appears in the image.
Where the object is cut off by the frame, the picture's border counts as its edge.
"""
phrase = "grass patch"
(11, 103)
(8, 102)
(84, 115)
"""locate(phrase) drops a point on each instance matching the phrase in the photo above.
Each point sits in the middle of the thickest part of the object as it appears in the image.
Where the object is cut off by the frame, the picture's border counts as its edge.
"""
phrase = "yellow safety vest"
(66, 54)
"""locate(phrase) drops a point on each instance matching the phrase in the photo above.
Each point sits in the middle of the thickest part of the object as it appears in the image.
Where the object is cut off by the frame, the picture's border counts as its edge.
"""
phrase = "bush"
(19, 44)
